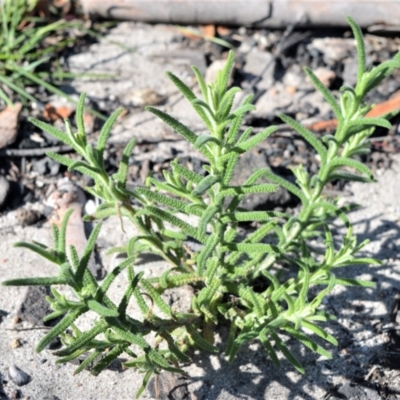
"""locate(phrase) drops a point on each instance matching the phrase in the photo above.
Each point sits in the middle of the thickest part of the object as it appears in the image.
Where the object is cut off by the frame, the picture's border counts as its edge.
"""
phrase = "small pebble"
(4, 189)
(16, 343)
(15, 394)
(18, 376)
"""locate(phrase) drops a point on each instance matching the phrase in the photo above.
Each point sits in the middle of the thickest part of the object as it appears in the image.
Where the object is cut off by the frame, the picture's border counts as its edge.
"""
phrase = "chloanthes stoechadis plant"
(237, 281)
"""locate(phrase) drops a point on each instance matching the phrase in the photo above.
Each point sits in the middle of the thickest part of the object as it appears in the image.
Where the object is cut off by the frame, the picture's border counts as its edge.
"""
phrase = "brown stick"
(388, 106)
(260, 13)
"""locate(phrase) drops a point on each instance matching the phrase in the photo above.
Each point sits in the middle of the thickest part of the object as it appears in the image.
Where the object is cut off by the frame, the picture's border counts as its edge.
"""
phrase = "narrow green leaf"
(347, 176)
(82, 164)
(319, 331)
(230, 167)
(242, 110)
(205, 184)
(83, 339)
(63, 232)
(231, 338)
(269, 348)
(84, 262)
(111, 356)
(114, 273)
(159, 360)
(174, 124)
(360, 48)
(137, 340)
(16, 88)
(286, 352)
(166, 216)
(202, 83)
(246, 293)
(306, 341)
(145, 381)
(39, 281)
(247, 189)
(256, 139)
(202, 257)
(307, 135)
(74, 257)
(165, 200)
(186, 173)
(141, 302)
(355, 282)
(243, 216)
(223, 77)
(59, 328)
(122, 173)
(61, 136)
(60, 158)
(87, 361)
(183, 88)
(366, 122)
(286, 184)
(106, 130)
(204, 139)
(357, 165)
(201, 342)
(158, 300)
(326, 93)
(173, 348)
(47, 254)
(71, 357)
(79, 115)
(133, 282)
(227, 102)
(252, 247)
(206, 217)
(99, 309)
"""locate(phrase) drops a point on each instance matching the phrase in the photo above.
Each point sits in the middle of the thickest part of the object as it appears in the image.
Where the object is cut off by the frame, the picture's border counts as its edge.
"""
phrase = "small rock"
(247, 44)
(4, 190)
(3, 394)
(45, 166)
(311, 104)
(35, 306)
(273, 100)
(15, 343)
(142, 97)
(291, 89)
(256, 62)
(333, 49)
(295, 77)
(2, 315)
(15, 394)
(325, 75)
(53, 112)
(9, 118)
(168, 386)
(349, 74)
(89, 121)
(353, 391)
(27, 216)
(18, 376)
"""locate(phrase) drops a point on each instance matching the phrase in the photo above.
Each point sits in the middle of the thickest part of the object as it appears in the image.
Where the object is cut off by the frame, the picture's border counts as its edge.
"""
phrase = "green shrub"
(238, 282)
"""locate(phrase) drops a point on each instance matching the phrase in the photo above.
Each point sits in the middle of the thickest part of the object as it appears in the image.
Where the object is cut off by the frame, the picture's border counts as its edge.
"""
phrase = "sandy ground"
(252, 375)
